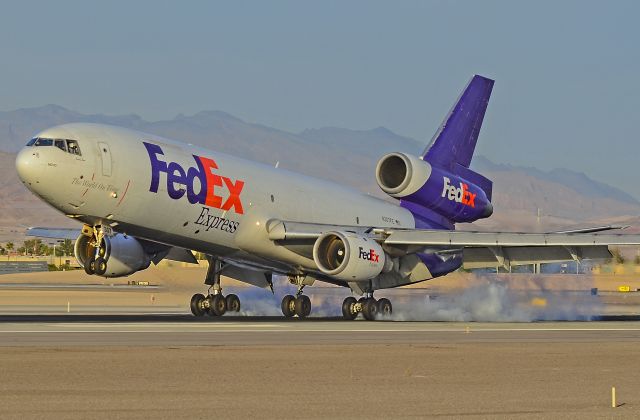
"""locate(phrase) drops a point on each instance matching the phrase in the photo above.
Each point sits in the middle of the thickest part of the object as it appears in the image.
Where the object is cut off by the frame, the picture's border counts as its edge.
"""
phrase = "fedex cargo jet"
(143, 198)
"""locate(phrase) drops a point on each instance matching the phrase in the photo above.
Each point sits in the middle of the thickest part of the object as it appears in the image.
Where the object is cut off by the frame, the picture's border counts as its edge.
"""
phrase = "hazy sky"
(567, 73)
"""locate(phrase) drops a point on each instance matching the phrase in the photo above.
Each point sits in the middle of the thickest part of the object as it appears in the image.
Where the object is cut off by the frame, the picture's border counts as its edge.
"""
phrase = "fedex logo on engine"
(369, 255)
(211, 189)
(459, 195)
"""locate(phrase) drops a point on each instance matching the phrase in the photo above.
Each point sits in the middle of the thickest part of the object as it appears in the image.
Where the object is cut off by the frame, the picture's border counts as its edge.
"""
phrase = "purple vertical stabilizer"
(455, 140)
(453, 191)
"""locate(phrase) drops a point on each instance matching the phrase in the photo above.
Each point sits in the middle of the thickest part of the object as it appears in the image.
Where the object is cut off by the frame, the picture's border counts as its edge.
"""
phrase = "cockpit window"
(73, 147)
(44, 142)
(60, 144)
(69, 146)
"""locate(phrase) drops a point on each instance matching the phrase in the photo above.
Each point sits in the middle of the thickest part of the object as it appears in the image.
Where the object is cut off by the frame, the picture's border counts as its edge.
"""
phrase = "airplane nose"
(28, 165)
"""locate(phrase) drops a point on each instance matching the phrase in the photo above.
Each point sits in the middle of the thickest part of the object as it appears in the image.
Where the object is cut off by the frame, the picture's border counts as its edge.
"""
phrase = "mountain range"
(524, 198)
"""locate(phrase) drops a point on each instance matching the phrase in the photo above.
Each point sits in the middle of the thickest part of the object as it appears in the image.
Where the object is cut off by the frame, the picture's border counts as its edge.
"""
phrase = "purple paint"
(453, 191)
(439, 265)
(452, 197)
(455, 140)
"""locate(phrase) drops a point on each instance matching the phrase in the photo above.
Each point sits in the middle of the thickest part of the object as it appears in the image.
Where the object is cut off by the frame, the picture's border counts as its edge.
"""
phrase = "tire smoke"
(490, 300)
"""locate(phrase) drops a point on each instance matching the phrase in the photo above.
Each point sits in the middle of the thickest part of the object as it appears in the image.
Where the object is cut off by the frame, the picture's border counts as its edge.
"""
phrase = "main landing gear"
(367, 305)
(214, 303)
(296, 305)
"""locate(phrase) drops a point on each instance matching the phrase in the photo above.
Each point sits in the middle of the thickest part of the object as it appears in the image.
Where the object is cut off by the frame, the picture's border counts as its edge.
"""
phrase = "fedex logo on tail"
(458, 194)
(211, 188)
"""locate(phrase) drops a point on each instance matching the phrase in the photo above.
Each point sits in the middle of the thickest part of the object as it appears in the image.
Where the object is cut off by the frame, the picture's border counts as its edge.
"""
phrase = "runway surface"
(177, 366)
(185, 330)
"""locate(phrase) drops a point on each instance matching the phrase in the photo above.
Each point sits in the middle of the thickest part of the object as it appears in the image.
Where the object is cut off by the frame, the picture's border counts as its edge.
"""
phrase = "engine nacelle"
(125, 255)
(349, 256)
(450, 195)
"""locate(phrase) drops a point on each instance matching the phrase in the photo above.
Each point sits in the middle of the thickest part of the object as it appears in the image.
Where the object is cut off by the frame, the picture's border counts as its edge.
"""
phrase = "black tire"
(218, 305)
(233, 303)
(370, 309)
(89, 266)
(100, 266)
(303, 306)
(287, 307)
(196, 304)
(384, 307)
(347, 308)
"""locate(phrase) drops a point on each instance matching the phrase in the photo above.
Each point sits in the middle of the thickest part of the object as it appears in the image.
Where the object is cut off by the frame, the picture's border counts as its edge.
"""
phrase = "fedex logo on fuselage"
(459, 195)
(214, 190)
(369, 255)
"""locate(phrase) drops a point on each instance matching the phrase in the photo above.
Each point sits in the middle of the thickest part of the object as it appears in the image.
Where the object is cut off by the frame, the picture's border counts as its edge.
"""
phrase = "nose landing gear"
(99, 251)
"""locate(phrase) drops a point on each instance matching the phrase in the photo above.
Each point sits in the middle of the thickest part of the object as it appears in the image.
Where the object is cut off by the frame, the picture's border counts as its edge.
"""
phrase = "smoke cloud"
(495, 302)
(492, 301)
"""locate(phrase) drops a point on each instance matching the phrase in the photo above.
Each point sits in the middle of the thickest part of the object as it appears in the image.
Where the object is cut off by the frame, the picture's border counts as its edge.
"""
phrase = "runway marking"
(310, 330)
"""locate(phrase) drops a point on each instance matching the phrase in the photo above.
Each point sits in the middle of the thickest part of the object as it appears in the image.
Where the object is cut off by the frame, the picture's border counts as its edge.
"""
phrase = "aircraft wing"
(480, 249)
(470, 239)
(54, 233)
(594, 229)
(491, 249)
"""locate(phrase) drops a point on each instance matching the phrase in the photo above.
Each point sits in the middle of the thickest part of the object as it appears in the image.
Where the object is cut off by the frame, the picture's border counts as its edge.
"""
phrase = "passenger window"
(60, 145)
(33, 140)
(44, 142)
(73, 147)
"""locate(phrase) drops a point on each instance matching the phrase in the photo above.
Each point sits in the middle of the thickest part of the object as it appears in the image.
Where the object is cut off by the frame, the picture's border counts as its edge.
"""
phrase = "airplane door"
(105, 155)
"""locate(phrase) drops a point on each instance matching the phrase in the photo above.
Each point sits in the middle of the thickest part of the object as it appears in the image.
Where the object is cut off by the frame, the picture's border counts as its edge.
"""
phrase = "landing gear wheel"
(100, 266)
(217, 305)
(303, 306)
(384, 307)
(370, 309)
(89, 266)
(288, 306)
(233, 303)
(348, 310)
(196, 304)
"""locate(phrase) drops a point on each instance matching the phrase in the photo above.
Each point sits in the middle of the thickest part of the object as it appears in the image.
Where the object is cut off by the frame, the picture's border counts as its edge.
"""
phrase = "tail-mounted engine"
(349, 256)
(117, 256)
(451, 195)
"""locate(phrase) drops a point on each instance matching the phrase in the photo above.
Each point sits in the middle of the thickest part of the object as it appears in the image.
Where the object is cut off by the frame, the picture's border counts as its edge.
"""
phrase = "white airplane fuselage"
(114, 182)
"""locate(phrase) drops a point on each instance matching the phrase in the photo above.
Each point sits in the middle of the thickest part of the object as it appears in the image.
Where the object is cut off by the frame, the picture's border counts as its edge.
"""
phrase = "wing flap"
(483, 257)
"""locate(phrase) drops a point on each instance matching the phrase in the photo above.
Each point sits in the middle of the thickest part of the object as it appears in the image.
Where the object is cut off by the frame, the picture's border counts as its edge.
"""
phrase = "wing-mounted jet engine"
(349, 256)
(115, 255)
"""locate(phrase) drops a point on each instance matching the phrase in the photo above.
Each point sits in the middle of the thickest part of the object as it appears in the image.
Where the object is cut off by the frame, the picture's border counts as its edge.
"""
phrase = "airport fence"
(13, 267)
